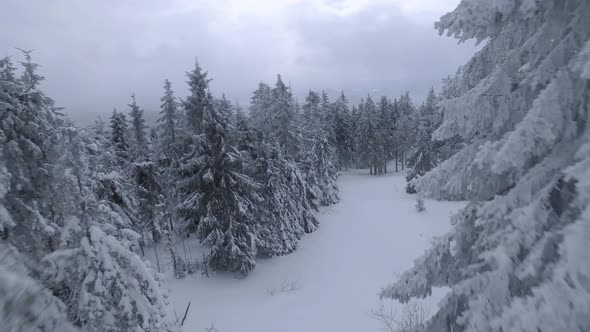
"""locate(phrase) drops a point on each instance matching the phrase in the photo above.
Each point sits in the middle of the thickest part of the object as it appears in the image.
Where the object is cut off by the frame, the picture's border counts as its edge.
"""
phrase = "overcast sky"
(95, 53)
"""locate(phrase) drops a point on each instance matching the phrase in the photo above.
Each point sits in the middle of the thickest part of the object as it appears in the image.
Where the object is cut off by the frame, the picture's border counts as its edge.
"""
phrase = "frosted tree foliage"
(24, 304)
(343, 132)
(284, 118)
(260, 108)
(218, 198)
(195, 103)
(426, 152)
(285, 214)
(318, 159)
(114, 290)
(368, 148)
(516, 259)
(168, 121)
(138, 129)
(55, 201)
(120, 136)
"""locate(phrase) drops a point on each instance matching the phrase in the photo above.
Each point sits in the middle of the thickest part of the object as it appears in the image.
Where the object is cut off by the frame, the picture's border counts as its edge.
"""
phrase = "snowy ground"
(331, 282)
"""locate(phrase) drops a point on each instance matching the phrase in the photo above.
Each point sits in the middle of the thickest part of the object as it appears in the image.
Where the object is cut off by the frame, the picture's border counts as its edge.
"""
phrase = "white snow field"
(331, 282)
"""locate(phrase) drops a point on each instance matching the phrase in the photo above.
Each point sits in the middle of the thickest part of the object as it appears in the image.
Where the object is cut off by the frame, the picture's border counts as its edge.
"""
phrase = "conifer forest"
(460, 203)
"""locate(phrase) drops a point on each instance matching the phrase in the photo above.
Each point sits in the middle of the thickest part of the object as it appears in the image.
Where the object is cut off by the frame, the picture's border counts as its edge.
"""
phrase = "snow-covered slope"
(331, 282)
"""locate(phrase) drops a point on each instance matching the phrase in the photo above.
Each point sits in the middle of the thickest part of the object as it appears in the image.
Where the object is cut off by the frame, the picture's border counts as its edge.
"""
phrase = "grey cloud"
(377, 50)
(94, 54)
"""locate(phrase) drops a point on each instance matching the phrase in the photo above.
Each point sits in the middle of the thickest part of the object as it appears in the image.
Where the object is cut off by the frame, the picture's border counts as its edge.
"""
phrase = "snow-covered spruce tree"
(168, 154)
(343, 132)
(384, 131)
(260, 108)
(326, 171)
(516, 260)
(139, 139)
(355, 137)
(218, 198)
(26, 137)
(395, 137)
(195, 103)
(168, 125)
(368, 148)
(283, 120)
(447, 147)
(226, 107)
(328, 119)
(61, 203)
(25, 305)
(317, 160)
(284, 214)
(311, 117)
(105, 285)
(149, 198)
(245, 136)
(425, 155)
(406, 128)
(144, 173)
(120, 136)
(94, 271)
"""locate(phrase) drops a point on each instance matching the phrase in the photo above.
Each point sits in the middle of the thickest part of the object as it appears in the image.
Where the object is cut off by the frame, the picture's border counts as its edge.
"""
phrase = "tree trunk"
(402, 159)
(171, 224)
(157, 259)
(396, 163)
(141, 246)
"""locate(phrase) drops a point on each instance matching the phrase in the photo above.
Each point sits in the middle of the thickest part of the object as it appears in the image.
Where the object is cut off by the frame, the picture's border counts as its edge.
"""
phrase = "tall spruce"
(261, 108)
(284, 214)
(283, 119)
(66, 253)
(168, 122)
(138, 129)
(343, 132)
(425, 156)
(368, 147)
(120, 136)
(194, 105)
(218, 198)
(515, 259)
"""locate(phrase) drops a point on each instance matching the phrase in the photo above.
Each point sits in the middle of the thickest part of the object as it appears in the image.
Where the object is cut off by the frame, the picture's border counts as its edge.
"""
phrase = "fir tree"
(94, 271)
(119, 136)
(343, 132)
(284, 214)
(406, 128)
(424, 157)
(312, 117)
(138, 130)
(149, 198)
(515, 258)
(25, 305)
(328, 120)
(50, 212)
(218, 200)
(195, 103)
(368, 148)
(168, 121)
(384, 131)
(283, 122)
(27, 136)
(261, 108)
